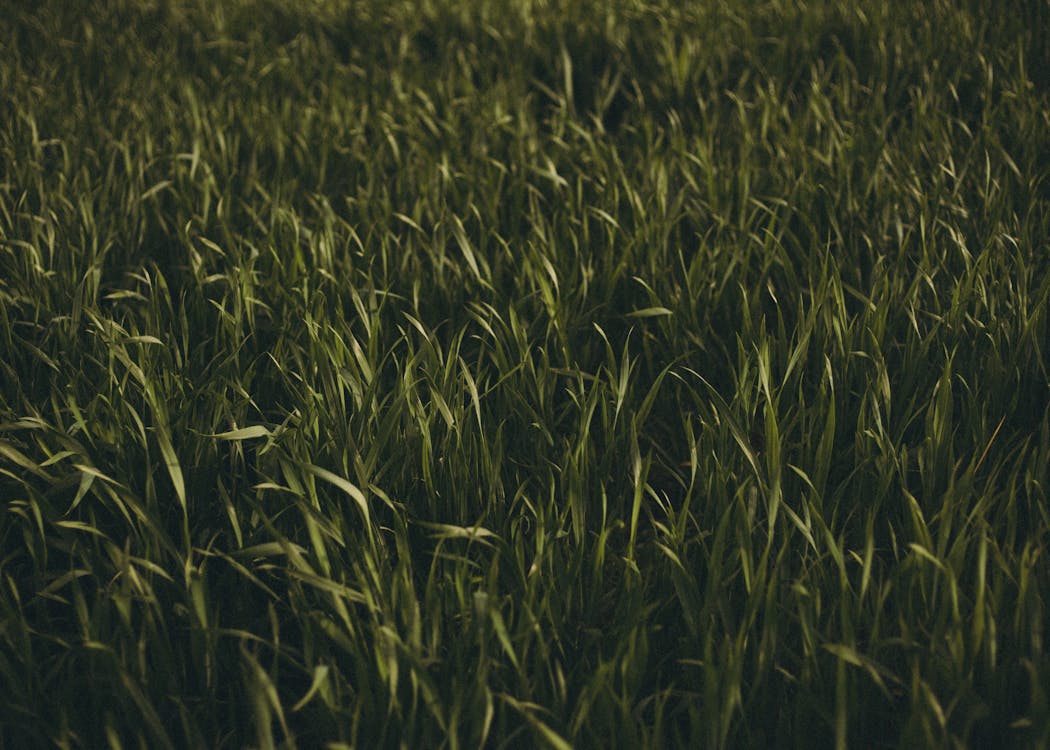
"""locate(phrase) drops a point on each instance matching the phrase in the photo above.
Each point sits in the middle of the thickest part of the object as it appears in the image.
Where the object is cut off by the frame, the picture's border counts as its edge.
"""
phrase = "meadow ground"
(524, 373)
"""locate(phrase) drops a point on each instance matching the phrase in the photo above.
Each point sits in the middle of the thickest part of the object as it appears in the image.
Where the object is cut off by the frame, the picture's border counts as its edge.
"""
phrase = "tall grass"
(532, 373)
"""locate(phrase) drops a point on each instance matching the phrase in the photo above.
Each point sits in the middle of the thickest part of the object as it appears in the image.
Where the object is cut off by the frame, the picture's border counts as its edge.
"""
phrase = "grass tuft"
(497, 374)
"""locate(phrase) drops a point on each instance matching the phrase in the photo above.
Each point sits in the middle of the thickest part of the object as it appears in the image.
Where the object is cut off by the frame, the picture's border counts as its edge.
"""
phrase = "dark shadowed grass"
(511, 374)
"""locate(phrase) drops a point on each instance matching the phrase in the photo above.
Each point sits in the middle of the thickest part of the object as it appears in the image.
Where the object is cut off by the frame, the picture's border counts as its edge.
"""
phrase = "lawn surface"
(524, 373)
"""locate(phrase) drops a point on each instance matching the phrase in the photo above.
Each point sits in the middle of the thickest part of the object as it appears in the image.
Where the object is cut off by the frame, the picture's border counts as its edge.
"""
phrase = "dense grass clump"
(524, 373)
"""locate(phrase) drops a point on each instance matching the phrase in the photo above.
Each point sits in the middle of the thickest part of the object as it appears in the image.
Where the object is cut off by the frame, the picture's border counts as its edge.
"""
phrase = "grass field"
(524, 373)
